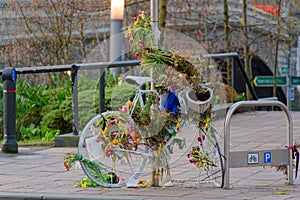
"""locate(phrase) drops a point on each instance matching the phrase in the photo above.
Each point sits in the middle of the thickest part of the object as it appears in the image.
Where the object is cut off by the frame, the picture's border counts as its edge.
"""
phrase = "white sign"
(252, 158)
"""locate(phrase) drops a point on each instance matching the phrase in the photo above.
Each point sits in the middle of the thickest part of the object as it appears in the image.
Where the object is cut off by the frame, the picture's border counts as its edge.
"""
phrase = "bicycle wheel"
(212, 149)
(112, 142)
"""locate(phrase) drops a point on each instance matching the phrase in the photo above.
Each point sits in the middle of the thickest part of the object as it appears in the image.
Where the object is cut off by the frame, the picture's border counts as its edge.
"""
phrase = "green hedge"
(45, 110)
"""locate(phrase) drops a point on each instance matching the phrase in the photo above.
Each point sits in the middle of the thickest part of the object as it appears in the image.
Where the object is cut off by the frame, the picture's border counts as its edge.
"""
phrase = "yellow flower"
(178, 123)
(105, 131)
(178, 120)
(155, 153)
(115, 141)
(207, 121)
(105, 189)
(83, 184)
(161, 145)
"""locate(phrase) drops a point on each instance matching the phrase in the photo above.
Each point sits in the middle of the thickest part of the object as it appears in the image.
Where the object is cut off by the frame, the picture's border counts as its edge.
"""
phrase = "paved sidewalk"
(38, 172)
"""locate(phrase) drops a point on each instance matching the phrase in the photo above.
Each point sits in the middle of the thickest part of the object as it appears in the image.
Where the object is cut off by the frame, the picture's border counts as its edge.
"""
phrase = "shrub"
(45, 110)
(44, 105)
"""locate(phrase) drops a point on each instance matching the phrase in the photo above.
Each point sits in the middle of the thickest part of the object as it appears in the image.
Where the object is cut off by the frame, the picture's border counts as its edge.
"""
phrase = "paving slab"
(38, 172)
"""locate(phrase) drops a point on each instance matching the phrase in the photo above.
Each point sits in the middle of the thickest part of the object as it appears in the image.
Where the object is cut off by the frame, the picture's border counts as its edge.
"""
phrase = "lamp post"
(116, 23)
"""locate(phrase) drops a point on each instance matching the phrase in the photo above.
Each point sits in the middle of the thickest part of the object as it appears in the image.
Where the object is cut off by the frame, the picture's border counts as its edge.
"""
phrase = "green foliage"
(241, 97)
(58, 113)
(30, 100)
(88, 106)
(45, 110)
(44, 105)
(42, 132)
(110, 80)
(88, 97)
(120, 94)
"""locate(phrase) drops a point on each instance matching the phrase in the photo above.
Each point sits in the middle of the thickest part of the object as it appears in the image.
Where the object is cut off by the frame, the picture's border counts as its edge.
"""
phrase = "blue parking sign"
(267, 157)
(292, 94)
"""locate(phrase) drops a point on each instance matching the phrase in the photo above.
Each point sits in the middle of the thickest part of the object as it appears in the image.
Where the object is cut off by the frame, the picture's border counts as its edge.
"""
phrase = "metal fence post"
(102, 91)
(9, 77)
(74, 70)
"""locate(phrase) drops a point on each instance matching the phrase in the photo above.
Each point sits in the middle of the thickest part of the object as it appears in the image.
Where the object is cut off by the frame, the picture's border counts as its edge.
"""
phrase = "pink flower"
(124, 108)
(170, 88)
(130, 41)
(112, 122)
(133, 19)
(141, 44)
(109, 151)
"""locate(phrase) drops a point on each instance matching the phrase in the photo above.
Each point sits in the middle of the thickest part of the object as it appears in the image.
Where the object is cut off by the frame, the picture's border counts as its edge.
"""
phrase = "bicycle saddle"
(138, 80)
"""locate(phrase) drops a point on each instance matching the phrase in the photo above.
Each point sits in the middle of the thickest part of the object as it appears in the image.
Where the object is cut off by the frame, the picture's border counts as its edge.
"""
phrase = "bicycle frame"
(139, 97)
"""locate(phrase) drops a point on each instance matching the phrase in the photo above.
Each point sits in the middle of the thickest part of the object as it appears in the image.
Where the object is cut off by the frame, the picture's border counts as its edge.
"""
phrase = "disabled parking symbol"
(267, 157)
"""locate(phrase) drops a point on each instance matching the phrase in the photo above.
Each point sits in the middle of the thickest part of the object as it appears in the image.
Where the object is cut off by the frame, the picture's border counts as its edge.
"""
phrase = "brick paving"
(38, 172)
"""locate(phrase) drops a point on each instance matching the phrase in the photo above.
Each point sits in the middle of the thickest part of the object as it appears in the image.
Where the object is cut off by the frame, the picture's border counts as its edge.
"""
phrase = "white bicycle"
(118, 142)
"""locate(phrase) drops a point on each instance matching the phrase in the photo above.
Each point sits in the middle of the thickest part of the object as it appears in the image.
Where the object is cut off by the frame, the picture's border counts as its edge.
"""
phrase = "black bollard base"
(9, 146)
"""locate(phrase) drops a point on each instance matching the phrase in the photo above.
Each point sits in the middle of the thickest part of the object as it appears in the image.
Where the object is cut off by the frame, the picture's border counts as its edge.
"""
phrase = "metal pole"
(102, 91)
(74, 70)
(155, 33)
(115, 53)
(9, 77)
(240, 64)
(154, 21)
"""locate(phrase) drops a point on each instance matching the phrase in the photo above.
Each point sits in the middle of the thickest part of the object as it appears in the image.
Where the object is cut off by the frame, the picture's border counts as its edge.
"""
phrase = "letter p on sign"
(267, 157)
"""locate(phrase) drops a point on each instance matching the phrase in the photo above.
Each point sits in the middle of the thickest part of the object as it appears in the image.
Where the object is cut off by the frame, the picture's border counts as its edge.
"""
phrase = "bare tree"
(227, 40)
(279, 27)
(246, 46)
(53, 32)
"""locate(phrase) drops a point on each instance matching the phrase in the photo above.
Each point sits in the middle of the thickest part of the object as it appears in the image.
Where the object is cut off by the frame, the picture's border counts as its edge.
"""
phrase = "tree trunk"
(162, 19)
(246, 48)
(227, 41)
(276, 49)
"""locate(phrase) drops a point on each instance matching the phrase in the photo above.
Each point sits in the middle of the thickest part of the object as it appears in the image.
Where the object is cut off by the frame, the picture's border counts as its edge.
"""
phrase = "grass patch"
(34, 142)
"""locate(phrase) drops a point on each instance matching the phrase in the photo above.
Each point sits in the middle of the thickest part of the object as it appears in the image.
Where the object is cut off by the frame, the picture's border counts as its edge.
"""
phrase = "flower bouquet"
(95, 169)
(141, 40)
(199, 158)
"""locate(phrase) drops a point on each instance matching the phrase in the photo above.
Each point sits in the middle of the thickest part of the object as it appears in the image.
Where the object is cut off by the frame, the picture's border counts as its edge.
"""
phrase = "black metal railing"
(74, 71)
